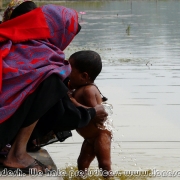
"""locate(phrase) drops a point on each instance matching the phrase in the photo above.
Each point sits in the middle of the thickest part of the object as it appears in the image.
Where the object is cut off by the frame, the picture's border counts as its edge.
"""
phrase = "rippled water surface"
(139, 42)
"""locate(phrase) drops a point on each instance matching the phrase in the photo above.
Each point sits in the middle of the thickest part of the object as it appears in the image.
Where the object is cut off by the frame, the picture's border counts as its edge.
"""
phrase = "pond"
(139, 42)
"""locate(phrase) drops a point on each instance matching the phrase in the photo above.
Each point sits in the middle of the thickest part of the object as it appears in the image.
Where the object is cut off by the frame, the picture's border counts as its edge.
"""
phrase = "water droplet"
(69, 164)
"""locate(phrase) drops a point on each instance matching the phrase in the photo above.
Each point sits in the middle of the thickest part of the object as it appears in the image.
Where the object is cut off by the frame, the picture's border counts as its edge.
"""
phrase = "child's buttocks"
(89, 131)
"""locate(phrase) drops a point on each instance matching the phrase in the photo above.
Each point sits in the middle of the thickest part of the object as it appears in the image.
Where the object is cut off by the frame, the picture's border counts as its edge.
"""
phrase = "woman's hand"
(101, 115)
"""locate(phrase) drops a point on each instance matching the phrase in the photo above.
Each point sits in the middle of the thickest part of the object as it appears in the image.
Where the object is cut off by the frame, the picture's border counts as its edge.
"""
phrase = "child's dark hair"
(23, 8)
(87, 61)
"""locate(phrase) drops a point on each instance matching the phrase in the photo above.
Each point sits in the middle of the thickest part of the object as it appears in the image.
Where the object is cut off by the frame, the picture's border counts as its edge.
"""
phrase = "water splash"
(108, 124)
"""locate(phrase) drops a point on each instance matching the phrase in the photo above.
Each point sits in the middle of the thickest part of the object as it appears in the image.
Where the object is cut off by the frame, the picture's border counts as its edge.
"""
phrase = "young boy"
(86, 65)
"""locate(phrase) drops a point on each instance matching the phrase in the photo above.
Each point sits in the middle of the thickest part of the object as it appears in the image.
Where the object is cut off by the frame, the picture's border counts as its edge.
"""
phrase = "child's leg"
(102, 148)
(86, 155)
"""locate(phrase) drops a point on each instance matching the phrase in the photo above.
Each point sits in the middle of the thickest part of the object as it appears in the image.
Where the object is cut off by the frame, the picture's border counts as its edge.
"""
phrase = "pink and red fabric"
(31, 49)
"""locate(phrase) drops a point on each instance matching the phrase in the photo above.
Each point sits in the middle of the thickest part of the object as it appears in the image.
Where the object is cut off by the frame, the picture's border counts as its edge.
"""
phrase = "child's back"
(89, 96)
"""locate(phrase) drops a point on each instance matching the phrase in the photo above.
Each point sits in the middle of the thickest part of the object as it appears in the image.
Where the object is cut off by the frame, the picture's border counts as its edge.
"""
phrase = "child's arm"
(74, 101)
(92, 97)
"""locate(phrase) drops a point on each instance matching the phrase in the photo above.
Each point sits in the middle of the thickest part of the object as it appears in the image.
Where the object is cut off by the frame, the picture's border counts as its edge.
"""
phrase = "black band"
(92, 112)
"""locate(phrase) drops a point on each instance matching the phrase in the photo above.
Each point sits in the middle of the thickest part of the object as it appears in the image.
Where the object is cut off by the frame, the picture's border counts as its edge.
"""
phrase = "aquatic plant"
(82, 13)
(70, 172)
(148, 64)
(128, 30)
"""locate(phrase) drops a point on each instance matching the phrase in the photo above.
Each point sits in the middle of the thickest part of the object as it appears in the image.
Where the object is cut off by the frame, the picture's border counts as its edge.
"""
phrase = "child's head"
(86, 65)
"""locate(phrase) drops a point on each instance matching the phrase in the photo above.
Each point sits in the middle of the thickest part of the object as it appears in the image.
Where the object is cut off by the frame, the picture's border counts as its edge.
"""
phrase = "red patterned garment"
(31, 49)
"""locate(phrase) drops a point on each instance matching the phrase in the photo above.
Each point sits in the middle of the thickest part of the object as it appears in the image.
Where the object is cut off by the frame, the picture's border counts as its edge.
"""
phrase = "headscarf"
(10, 8)
(31, 49)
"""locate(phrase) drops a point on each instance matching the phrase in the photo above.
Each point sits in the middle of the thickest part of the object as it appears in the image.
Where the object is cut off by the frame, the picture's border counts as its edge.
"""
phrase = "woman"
(33, 98)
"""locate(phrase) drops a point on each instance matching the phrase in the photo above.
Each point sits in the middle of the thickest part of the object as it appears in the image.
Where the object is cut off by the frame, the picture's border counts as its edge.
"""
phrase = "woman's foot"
(18, 156)
(24, 162)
